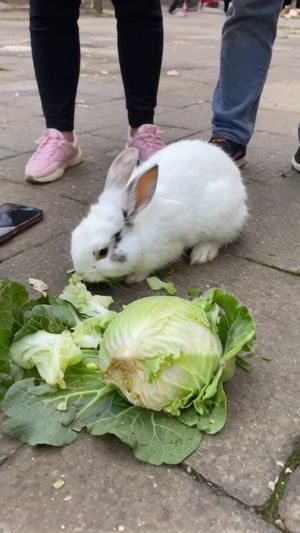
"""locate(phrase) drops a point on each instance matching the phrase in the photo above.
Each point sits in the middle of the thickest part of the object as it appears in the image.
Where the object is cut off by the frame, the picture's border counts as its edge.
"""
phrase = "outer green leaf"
(155, 438)
(12, 299)
(53, 318)
(236, 327)
(215, 420)
(189, 416)
(157, 284)
(34, 408)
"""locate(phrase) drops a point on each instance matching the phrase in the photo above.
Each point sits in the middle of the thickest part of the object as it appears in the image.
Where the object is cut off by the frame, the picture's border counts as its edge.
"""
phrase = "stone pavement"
(227, 485)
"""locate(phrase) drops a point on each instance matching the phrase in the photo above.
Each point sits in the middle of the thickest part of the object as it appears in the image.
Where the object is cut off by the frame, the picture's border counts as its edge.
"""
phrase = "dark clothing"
(56, 57)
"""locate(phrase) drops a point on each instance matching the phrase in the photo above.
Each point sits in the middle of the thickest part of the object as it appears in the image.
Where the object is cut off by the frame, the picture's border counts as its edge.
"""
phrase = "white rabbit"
(188, 195)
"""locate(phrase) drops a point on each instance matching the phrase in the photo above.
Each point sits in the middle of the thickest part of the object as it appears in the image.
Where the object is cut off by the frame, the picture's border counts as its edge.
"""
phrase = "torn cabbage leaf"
(50, 353)
(85, 303)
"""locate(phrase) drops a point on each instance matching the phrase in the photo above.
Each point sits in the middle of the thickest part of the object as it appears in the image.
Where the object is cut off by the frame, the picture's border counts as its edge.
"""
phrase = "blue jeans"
(247, 38)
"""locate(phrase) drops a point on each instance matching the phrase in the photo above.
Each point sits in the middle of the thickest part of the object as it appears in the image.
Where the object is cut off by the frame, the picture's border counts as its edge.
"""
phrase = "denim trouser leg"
(247, 38)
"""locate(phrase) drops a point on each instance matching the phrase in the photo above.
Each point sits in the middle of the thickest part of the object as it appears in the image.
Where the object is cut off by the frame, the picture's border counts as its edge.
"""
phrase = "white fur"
(199, 203)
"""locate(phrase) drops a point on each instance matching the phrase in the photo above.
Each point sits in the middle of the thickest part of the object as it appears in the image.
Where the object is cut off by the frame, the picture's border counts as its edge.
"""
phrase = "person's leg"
(56, 59)
(176, 4)
(247, 39)
(140, 47)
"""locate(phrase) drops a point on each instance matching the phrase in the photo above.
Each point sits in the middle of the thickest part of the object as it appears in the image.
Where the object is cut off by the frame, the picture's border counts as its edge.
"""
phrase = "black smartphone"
(15, 218)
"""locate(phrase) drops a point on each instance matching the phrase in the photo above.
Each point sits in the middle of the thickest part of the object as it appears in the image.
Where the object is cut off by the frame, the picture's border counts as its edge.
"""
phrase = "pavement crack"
(4, 458)
(269, 511)
(17, 154)
(199, 478)
(295, 273)
(31, 247)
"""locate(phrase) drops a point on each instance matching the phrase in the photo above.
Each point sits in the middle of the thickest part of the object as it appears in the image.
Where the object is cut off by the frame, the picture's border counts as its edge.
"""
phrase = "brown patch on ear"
(146, 186)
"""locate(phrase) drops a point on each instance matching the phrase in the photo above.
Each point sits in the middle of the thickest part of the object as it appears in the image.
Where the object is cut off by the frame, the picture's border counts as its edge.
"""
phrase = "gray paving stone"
(270, 155)
(177, 93)
(272, 233)
(290, 505)
(194, 118)
(5, 153)
(49, 262)
(106, 490)
(281, 123)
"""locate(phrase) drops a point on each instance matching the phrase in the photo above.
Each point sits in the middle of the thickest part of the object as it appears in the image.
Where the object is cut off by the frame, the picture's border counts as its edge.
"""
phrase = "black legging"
(56, 57)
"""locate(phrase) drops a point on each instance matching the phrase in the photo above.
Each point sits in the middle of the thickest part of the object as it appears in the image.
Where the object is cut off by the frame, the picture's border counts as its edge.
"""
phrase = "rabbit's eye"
(100, 254)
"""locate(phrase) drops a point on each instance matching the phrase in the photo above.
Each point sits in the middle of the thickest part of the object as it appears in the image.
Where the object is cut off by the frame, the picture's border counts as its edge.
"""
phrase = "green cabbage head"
(168, 354)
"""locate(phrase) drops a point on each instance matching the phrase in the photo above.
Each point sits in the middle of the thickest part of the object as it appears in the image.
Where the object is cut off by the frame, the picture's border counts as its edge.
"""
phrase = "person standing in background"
(56, 58)
(246, 50)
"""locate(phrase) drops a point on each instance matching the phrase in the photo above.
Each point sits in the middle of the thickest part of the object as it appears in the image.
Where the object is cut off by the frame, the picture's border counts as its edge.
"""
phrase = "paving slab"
(106, 490)
(60, 215)
(290, 102)
(49, 262)
(5, 153)
(290, 506)
(281, 123)
(194, 118)
(273, 229)
(269, 156)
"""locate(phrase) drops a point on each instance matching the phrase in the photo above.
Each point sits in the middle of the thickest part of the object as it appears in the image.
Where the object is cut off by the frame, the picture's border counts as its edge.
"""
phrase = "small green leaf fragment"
(62, 406)
(172, 271)
(156, 284)
(266, 358)
(243, 364)
(193, 292)
(58, 484)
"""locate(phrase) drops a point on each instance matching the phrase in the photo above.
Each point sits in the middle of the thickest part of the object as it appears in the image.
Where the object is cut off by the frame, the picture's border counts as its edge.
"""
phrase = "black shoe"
(296, 160)
(237, 152)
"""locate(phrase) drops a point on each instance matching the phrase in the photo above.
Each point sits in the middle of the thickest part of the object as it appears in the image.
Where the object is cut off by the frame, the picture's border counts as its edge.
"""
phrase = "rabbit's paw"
(204, 252)
(136, 278)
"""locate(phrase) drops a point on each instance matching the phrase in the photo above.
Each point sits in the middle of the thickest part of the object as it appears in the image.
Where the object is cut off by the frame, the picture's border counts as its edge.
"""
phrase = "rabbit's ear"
(121, 168)
(140, 191)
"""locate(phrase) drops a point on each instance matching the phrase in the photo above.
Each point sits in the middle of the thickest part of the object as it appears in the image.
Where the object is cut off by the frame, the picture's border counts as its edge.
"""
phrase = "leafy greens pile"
(152, 375)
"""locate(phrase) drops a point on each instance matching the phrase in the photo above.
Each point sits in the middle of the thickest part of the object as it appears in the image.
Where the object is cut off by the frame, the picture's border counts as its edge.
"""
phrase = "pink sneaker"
(179, 12)
(53, 156)
(147, 140)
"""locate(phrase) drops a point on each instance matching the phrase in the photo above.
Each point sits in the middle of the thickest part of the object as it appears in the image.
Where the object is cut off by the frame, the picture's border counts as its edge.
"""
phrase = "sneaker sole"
(54, 176)
(241, 162)
(295, 165)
